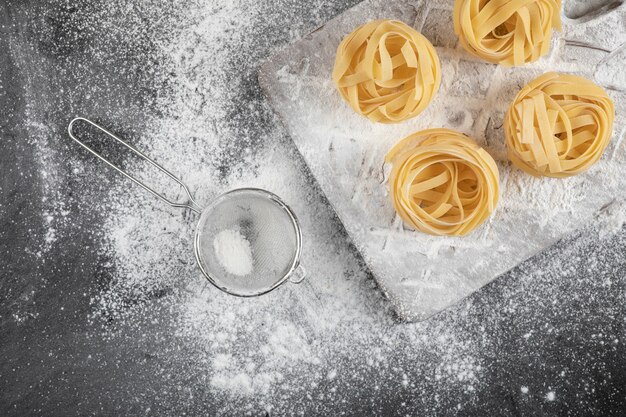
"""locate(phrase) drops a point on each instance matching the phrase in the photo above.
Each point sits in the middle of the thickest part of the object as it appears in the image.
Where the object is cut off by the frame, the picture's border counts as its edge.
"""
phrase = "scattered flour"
(233, 252)
(332, 341)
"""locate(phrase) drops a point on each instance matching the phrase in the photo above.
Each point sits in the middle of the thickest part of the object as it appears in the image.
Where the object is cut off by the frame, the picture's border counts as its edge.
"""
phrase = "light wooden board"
(423, 275)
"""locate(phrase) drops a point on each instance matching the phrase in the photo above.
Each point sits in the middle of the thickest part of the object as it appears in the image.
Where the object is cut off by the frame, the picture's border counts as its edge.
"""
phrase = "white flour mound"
(233, 252)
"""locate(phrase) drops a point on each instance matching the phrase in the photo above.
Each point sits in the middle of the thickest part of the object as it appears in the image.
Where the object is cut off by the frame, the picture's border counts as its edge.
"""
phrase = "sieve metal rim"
(275, 199)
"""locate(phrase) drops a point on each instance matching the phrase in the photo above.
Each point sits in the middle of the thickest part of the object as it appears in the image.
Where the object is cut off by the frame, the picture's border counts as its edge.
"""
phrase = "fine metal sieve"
(267, 226)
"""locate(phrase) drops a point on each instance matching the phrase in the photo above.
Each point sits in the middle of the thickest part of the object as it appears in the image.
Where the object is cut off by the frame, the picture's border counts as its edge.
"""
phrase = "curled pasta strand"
(442, 182)
(558, 125)
(507, 32)
(387, 71)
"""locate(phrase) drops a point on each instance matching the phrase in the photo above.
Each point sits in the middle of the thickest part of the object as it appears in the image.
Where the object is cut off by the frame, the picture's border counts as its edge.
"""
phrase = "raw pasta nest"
(507, 32)
(558, 125)
(442, 182)
(387, 71)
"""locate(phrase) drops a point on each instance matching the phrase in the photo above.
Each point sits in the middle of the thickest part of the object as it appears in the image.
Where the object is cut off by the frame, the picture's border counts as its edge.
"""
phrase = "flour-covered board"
(422, 274)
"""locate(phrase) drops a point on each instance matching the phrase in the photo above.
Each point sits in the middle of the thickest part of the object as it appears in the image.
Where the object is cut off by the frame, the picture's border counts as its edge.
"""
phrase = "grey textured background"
(52, 363)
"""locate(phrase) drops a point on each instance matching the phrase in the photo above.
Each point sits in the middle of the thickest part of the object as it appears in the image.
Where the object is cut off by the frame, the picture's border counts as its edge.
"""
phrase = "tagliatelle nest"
(507, 32)
(387, 71)
(442, 182)
(558, 125)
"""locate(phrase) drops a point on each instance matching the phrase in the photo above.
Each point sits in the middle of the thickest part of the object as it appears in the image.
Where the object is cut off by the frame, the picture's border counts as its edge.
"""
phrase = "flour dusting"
(334, 340)
(233, 252)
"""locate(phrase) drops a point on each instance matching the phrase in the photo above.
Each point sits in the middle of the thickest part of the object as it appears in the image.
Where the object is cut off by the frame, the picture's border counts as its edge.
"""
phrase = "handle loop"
(298, 275)
(191, 205)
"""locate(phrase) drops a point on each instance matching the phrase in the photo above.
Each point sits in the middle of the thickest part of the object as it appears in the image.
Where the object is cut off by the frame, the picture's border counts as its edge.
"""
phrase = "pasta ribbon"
(507, 32)
(442, 182)
(558, 125)
(387, 71)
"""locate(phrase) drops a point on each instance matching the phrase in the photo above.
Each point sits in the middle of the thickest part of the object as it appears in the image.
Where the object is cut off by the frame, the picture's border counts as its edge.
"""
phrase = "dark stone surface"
(53, 364)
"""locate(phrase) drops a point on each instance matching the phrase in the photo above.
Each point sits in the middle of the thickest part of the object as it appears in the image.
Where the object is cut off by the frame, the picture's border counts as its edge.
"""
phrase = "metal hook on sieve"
(297, 275)
(191, 205)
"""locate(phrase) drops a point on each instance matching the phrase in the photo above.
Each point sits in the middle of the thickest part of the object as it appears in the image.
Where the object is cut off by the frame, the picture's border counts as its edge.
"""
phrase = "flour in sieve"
(233, 252)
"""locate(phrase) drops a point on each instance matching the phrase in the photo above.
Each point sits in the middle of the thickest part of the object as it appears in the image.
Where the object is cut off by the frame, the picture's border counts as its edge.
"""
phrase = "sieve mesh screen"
(268, 227)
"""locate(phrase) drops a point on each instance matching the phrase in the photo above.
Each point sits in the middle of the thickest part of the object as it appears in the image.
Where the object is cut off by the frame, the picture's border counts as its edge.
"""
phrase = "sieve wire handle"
(191, 205)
